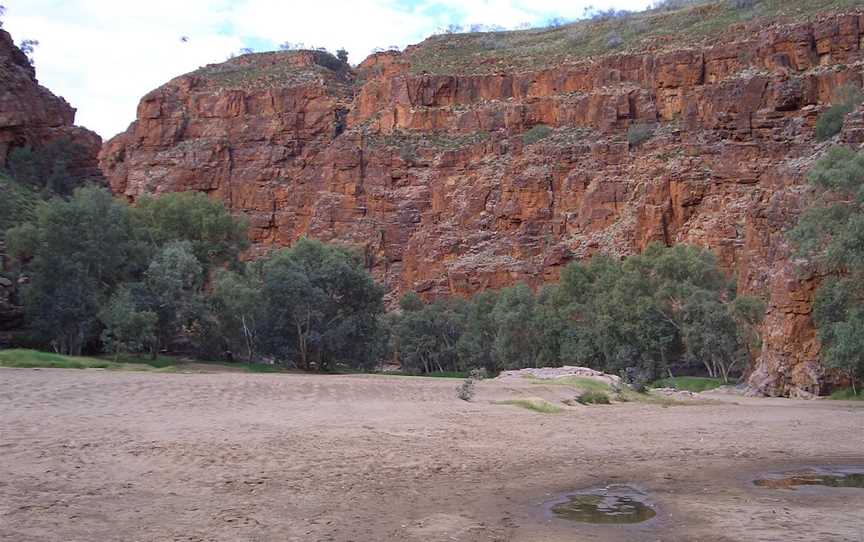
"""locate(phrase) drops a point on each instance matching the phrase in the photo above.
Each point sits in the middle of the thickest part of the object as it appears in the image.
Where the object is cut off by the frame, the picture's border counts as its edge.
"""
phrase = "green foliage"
(689, 383)
(47, 169)
(830, 236)
(638, 134)
(237, 300)
(322, 307)
(172, 291)
(78, 251)
(847, 394)
(216, 237)
(17, 204)
(830, 122)
(127, 327)
(535, 134)
(426, 337)
(666, 308)
(593, 398)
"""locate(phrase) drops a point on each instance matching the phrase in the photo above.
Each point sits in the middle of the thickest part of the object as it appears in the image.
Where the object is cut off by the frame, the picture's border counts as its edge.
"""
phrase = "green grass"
(578, 382)
(689, 383)
(537, 405)
(33, 359)
(29, 359)
(593, 398)
(847, 395)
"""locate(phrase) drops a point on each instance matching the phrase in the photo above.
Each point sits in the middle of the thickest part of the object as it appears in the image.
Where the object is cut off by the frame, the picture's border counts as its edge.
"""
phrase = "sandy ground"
(99, 456)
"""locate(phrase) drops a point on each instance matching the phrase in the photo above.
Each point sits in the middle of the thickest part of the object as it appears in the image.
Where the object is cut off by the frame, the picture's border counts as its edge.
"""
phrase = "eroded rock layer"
(455, 183)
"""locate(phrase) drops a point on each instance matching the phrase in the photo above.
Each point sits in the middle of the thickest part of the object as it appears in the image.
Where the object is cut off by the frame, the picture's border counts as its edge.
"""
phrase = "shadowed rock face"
(30, 115)
(447, 186)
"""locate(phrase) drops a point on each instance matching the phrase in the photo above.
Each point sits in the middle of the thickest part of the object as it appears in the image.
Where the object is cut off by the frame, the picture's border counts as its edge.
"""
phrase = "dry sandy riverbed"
(98, 456)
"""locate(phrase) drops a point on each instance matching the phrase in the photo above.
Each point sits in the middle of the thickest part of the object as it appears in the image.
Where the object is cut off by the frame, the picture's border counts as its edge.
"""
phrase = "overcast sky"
(104, 55)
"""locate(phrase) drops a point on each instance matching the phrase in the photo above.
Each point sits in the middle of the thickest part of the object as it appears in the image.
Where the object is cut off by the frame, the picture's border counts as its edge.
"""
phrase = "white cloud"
(104, 55)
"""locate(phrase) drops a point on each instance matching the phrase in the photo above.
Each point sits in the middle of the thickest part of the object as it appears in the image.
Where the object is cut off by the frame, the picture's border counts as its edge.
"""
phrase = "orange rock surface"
(449, 184)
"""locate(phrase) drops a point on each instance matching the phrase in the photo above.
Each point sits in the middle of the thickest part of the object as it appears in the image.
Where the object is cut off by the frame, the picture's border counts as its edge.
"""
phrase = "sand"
(103, 456)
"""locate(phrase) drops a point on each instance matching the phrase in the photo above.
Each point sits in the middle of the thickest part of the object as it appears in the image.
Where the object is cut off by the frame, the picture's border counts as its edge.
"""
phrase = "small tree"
(75, 253)
(238, 304)
(342, 55)
(321, 306)
(127, 328)
(172, 291)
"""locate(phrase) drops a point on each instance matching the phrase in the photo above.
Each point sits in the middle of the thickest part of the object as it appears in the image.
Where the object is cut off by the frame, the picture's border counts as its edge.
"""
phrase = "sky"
(102, 56)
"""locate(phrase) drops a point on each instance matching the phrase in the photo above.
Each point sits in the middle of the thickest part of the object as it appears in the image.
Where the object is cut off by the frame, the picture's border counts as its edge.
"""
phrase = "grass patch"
(578, 382)
(34, 359)
(31, 359)
(694, 384)
(537, 405)
(846, 395)
(593, 398)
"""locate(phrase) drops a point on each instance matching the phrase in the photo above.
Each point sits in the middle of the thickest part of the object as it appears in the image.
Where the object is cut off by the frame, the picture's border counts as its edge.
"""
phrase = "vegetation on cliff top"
(673, 23)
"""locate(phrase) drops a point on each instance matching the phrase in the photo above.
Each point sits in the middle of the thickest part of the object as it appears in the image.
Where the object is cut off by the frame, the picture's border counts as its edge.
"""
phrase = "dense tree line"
(668, 309)
(165, 274)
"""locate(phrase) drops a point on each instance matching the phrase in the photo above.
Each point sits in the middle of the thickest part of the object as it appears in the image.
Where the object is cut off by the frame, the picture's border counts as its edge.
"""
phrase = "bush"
(593, 398)
(614, 40)
(467, 389)
(638, 134)
(830, 122)
(535, 134)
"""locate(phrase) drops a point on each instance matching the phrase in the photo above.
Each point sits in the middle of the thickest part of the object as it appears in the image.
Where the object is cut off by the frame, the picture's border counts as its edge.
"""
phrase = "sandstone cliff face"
(449, 186)
(30, 115)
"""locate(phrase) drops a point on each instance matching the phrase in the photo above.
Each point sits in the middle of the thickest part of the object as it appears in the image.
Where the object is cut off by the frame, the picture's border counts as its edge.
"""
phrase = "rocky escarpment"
(482, 177)
(30, 115)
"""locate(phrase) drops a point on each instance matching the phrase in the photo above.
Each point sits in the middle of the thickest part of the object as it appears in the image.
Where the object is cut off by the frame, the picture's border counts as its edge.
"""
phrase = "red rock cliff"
(30, 115)
(450, 183)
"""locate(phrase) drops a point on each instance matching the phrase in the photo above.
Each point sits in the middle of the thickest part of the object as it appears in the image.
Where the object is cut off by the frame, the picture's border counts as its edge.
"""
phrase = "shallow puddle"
(824, 477)
(616, 504)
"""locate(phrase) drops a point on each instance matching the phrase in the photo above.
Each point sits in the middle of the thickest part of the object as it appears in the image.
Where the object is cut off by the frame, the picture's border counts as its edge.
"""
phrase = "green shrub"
(467, 389)
(830, 122)
(593, 398)
(535, 134)
(639, 133)
(847, 394)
